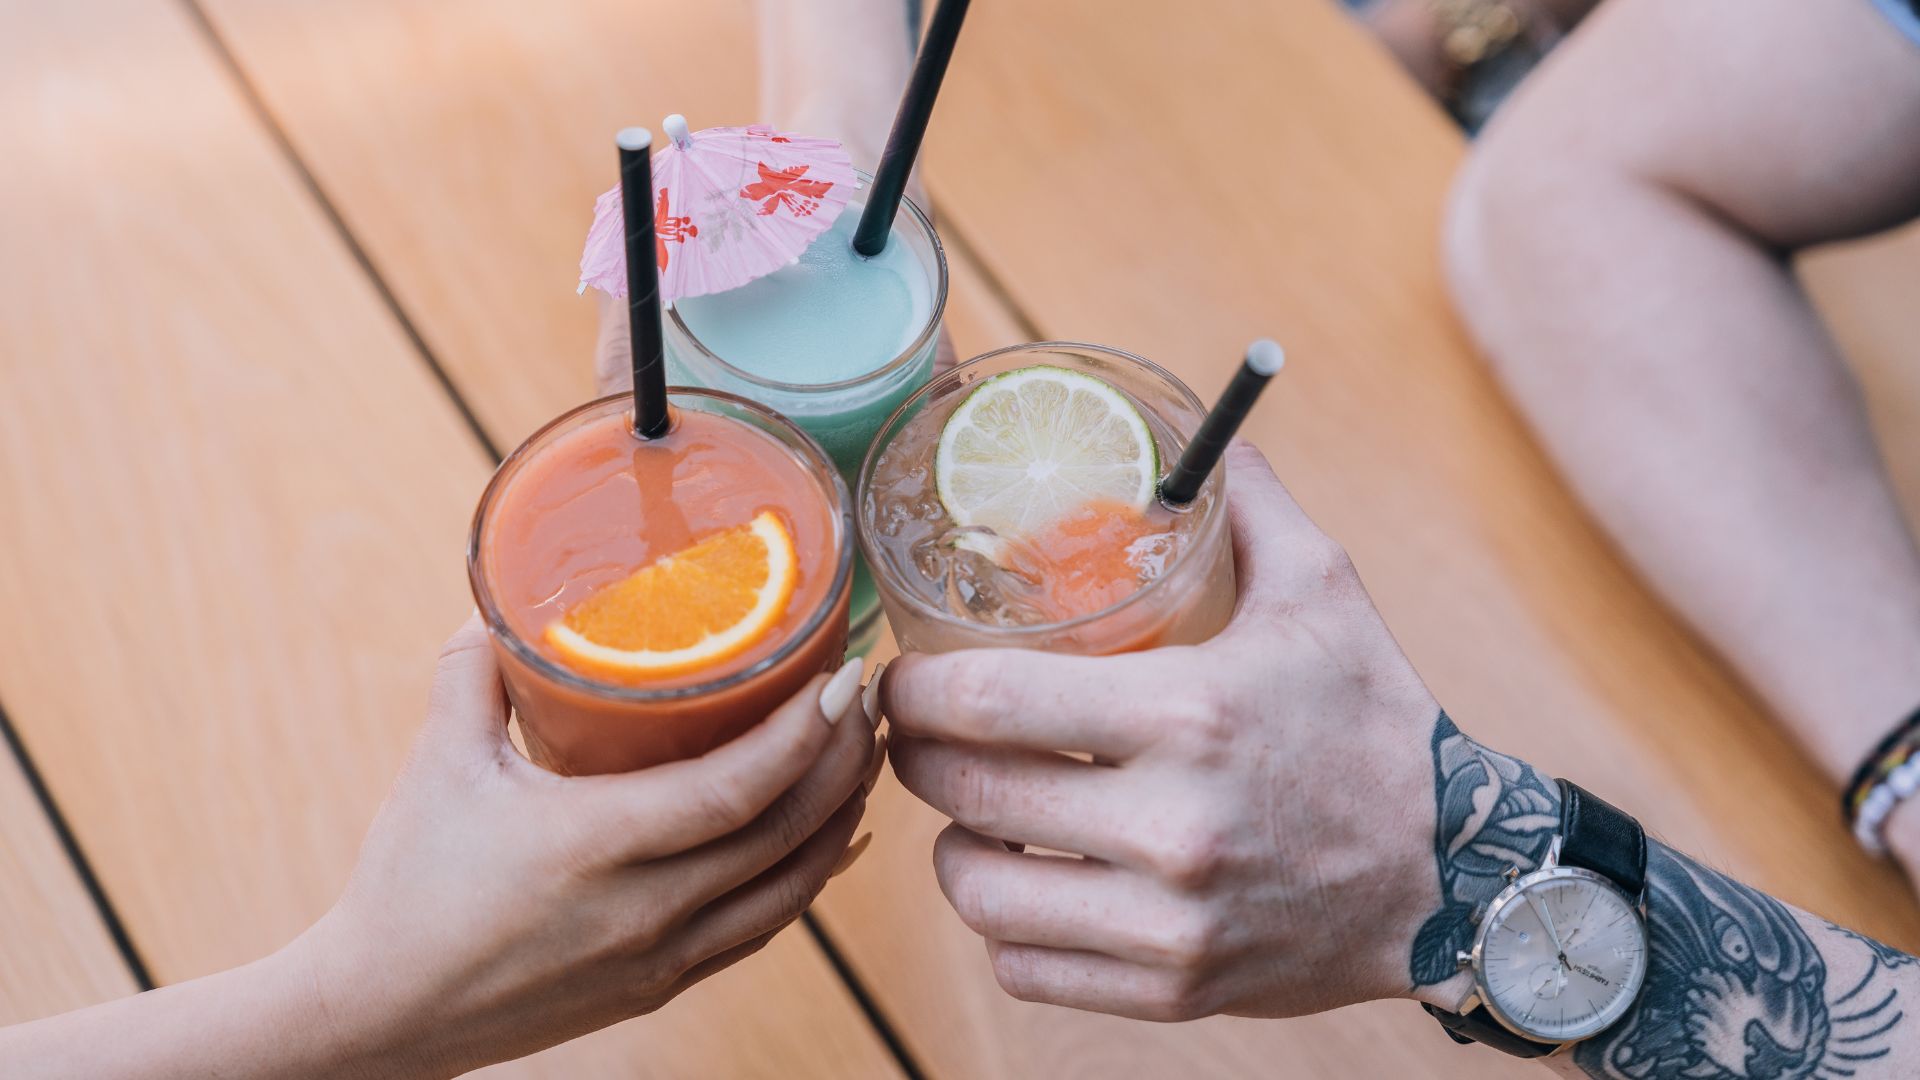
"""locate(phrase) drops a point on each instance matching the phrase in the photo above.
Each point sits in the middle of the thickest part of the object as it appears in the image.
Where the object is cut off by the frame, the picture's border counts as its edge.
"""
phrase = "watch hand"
(1540, 912)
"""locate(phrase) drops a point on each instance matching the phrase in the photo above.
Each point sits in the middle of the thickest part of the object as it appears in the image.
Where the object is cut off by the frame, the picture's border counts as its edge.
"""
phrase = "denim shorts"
(1905, 15)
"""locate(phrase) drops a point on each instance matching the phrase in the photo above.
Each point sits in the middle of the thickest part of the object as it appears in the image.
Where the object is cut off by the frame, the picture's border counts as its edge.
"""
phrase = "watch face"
(1561, 955)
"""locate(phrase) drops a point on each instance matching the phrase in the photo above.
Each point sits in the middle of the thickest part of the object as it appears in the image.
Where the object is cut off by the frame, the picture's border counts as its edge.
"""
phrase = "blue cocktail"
(835, 342)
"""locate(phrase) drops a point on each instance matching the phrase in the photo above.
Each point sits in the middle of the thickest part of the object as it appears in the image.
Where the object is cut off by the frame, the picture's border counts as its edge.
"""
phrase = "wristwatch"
(1561, 953)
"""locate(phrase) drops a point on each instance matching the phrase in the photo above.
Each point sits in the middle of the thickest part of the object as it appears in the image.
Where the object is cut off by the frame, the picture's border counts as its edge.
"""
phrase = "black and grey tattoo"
(1494, 813)
(1736, 985)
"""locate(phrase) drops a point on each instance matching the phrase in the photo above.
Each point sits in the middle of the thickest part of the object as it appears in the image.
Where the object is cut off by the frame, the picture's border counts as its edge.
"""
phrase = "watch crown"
(1463, 959)
(1512, 874)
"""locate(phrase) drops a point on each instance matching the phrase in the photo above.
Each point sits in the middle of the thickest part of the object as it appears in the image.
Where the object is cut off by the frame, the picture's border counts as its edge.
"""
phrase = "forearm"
(263, 1020)
(1738, 984)
(1808, 998)
(836, 68)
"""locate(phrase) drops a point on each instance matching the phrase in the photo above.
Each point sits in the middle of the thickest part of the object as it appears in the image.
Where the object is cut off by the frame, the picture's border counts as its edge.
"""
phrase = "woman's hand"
(1257, 831)
(497, 908)
(832, 68)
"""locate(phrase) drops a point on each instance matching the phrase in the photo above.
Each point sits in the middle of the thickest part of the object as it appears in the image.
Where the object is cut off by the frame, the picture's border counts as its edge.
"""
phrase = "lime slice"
(1030, 446)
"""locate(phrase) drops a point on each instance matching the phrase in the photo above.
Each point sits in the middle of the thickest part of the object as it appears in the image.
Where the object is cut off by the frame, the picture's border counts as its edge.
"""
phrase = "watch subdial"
(1547, 981)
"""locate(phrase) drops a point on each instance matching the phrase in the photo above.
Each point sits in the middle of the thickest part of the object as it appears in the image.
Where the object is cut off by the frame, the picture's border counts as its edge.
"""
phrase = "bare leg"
(1617, 245)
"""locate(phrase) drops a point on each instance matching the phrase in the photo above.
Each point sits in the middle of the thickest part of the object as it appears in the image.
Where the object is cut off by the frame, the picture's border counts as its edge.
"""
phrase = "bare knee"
(1519, 222)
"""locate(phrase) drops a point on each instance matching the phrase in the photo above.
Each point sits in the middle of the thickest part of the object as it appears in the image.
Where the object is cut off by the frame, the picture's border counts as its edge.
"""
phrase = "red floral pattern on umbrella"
(731, 205)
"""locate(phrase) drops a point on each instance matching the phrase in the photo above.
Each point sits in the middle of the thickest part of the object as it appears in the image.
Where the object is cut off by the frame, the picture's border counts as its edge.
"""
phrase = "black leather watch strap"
(1479, 1026)
(1597, 836)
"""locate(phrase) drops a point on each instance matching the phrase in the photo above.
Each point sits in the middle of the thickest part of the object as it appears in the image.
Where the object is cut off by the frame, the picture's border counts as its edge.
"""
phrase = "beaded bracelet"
(1887, 777)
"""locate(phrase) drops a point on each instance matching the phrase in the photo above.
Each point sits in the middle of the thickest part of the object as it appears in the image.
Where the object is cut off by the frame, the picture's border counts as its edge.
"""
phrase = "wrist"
(1902, 833)
(1406, 898)
(835, 68)
(367, 1010)
(826, 115)
(1490, 818)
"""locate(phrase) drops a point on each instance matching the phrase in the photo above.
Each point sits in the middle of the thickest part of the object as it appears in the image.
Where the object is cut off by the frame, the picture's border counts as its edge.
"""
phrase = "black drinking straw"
(650, 419)
(909, 127)
(1182, 485)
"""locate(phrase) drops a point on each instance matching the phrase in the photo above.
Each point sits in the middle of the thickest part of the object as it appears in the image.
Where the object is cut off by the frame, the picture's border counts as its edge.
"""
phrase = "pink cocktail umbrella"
(731, 204)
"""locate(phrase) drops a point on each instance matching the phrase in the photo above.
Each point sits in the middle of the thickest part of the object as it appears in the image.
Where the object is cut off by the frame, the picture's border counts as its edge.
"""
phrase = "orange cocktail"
(651, 599)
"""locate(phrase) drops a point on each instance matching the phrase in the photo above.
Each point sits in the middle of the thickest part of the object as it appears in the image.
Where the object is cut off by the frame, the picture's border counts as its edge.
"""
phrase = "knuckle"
(1189, 859)
(585, 844)
(1013, 970)
(721, 801)
(1203, 713)
(1242, 454)
(646, 934)
(973, 792)
(793, 895)
(463, 647)
(1185, 866)
(1330, 564)
(789, 821)
(1190, 941)
(963, 886)
(619, 935)
(641, 993)
(979, 692)
(1177, 997)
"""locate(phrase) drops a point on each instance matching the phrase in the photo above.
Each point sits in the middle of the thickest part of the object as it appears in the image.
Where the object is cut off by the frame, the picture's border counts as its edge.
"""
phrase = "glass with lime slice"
(1013, 502)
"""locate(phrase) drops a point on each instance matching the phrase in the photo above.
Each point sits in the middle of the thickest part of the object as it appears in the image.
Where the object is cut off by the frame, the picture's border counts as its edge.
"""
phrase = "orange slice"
(691, 610)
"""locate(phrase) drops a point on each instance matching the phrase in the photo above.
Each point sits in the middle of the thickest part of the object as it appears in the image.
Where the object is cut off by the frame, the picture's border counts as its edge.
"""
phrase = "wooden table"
(279, 279)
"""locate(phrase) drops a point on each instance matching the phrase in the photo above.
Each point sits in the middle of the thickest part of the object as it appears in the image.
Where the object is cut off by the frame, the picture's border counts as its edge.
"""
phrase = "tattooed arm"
(1283, 822)
(1739, 984)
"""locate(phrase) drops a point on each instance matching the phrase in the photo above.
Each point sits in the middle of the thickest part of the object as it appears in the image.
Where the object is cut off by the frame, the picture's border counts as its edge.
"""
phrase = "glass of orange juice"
(1014, 501)
(651, 599)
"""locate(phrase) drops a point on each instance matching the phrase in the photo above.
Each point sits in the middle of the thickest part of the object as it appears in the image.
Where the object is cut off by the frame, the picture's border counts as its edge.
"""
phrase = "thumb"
(1275, 543)
(466, 709)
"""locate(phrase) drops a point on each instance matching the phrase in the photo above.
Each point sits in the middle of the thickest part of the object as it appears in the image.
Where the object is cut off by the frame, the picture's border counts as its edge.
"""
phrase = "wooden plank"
(978, 319)
(1864, 291)
(464, 145)
(241, 502)
(55, 952)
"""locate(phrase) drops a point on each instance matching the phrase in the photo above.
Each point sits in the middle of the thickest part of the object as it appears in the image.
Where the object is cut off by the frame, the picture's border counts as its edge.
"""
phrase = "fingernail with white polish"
(840, 690)
(854, 851)
(870, 699)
